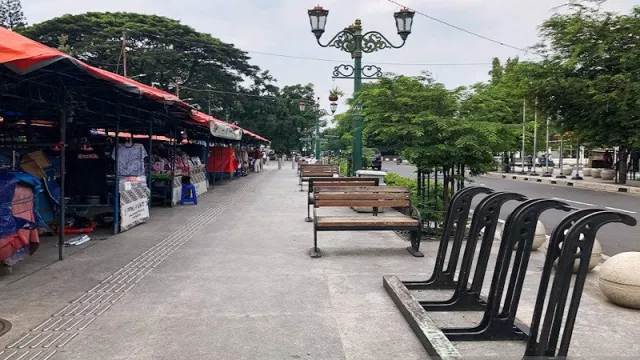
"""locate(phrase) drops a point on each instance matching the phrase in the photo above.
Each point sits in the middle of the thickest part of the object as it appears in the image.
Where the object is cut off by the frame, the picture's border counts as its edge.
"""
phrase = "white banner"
(134, 213)
(224, 131)
(134, 203)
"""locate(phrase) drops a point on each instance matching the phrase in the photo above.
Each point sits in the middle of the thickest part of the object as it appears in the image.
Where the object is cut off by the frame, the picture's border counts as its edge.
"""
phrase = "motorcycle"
(399, 161)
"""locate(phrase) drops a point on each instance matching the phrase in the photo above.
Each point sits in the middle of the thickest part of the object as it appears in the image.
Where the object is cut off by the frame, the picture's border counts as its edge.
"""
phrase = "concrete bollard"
(608, 174)
(594, 260)
(280, 163)
(620, 279)
(539, 238)
(586, 171)
(596, 173)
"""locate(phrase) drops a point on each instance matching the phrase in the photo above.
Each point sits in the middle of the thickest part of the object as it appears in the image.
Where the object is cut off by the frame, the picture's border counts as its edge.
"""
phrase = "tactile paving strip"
(53, 334)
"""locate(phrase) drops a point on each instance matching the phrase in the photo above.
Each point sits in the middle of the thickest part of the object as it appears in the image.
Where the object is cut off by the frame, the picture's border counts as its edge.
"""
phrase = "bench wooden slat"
(380, 221)
(339, 183)
(306, 177)
(309, 173)
(363, 189)
(361, 203)
(362, 196)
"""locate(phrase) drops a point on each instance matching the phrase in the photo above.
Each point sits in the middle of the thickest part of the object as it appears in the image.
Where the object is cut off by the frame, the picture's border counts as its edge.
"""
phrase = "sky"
(282, 27)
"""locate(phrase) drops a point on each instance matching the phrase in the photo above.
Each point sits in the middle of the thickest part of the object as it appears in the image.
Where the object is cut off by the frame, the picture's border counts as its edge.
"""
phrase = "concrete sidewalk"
(235, 282)
(232, 279)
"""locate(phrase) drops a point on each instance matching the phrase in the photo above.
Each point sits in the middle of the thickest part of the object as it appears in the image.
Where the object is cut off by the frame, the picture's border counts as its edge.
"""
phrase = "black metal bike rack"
(455, 227)
(566, 249)
(518, 232)
(571, 240)
(466, 297)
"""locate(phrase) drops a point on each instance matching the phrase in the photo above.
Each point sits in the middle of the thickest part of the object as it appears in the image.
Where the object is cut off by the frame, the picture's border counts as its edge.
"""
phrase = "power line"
(381, 63)
(232, 93)
(465, 30)
(322, 59)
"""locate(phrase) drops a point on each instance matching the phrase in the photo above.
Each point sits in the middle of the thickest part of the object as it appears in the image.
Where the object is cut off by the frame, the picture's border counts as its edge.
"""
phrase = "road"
(614, 238)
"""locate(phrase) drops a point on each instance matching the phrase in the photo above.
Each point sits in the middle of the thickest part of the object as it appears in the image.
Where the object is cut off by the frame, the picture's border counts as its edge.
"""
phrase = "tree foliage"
(424, 118)
(164, 53)
(11, 15)
(590, 79)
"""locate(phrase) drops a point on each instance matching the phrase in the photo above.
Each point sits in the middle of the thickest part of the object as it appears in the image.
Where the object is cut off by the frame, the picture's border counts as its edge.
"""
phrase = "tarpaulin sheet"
(23, 55)
(222, 160)
(18, 217)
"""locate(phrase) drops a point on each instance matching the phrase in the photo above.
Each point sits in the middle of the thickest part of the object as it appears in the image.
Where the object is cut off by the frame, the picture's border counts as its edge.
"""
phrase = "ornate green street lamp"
(352, 40)
(302, 105)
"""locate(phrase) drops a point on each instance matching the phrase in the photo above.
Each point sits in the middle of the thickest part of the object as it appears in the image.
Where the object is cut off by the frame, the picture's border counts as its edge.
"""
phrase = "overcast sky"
(282, 27)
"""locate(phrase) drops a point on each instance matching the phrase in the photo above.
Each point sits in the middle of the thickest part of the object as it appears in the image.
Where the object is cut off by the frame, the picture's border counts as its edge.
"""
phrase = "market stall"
(54, 135)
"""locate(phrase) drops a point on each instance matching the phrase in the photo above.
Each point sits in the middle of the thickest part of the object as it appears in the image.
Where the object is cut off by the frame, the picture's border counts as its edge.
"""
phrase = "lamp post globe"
(318, 20)
(334, 107)
(404, 22)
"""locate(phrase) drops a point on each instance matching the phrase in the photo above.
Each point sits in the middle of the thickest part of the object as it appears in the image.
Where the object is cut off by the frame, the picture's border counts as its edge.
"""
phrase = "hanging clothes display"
(86, 172)
(222, 160)
(130, 159)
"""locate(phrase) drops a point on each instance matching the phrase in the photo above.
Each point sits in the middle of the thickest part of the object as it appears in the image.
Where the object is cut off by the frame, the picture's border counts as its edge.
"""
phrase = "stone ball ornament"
(620, 279)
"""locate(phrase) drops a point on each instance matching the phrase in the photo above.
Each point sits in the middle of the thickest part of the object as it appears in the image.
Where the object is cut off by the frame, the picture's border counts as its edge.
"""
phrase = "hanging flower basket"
(335, 94)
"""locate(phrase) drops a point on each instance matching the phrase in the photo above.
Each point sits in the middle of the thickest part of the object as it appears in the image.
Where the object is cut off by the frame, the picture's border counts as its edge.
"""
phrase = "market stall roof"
(223, 129)
(23, 55)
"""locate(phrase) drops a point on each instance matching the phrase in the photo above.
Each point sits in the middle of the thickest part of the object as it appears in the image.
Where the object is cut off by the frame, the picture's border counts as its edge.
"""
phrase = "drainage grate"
(5, 326)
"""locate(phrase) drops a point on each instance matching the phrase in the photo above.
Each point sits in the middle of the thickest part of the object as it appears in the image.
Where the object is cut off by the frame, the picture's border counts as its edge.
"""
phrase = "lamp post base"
(577, 178)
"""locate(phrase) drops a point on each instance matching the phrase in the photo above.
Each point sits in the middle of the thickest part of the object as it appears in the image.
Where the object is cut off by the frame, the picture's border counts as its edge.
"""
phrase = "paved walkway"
(232, 279)
(229, 279)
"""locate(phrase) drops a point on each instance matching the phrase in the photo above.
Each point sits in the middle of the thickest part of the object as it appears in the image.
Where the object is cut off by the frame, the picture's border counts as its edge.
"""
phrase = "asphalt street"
(614, 238)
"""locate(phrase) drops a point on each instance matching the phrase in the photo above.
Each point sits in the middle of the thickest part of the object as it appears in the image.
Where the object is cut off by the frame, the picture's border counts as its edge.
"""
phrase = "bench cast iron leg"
(308, 219)
(315, 252)
(414, 249)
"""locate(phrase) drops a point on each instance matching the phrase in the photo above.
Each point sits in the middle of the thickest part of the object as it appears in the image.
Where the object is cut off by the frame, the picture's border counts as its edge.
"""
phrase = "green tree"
(424, 118)
(590, 80)
(11, 15)
(172, 56)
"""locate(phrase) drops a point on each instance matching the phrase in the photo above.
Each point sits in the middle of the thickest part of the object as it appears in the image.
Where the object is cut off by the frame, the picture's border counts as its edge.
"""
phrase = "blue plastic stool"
(189, 194)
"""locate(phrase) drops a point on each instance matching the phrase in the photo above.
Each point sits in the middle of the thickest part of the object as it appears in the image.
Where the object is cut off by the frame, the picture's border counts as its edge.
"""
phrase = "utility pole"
(535, 138)
(124, 52)
(524, 118)
(547, 154)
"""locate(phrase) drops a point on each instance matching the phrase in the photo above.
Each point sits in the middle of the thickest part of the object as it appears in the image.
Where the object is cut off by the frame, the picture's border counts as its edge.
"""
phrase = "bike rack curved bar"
(518, 232)
(455, 226)
(485, 216)
(576, 245)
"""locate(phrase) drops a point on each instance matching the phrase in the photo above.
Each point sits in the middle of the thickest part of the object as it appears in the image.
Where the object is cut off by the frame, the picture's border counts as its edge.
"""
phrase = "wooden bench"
(369, 196)
(327, 171)
(303, 166)
(337, 182)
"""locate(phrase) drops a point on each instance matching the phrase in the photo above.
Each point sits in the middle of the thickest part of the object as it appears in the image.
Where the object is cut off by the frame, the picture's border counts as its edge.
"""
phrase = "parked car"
(272, 155)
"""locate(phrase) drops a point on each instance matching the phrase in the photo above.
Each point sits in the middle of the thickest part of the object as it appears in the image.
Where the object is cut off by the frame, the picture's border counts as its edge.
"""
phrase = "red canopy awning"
(23, 55)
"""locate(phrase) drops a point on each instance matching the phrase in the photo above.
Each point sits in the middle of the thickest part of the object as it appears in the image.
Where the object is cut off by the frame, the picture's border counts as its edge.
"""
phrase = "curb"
(581, 184)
